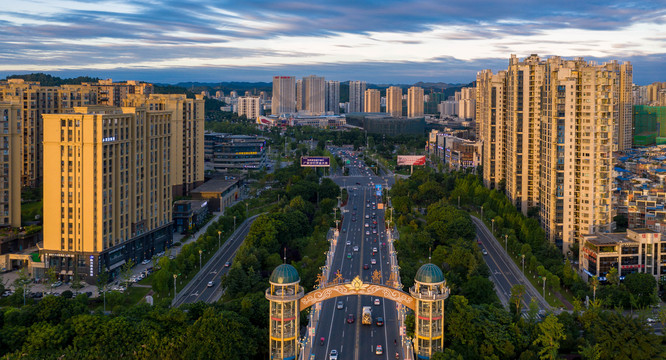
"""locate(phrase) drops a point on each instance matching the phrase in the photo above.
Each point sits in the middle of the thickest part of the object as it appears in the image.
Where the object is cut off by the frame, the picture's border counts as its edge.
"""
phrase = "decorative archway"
(357, 287)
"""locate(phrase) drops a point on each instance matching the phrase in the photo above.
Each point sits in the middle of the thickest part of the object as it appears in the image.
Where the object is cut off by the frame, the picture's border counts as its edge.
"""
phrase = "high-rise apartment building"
(394, 101)
(284, 95)
(10, 163)
(549, 128)
(250, 106)
(372, 101)
(35, 100)
(356, 95)
(187, 136)
(415, 102)
(107, 188)
(333, 97)
(300, 96)
(314, 95)
(113, 94)
(466, 98)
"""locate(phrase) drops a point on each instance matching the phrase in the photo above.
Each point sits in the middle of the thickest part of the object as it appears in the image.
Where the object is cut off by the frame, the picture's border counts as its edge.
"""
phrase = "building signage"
(92, 265)
(247, 153)
(411, 159)
(107, 139)
(315, 161)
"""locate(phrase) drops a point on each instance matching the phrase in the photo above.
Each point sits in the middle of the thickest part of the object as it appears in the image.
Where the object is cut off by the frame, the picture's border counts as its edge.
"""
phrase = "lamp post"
(219, 239)
(492, 225)
(544, 286)
(234, 223)
(247, 209)
(506, 242)
(523, 259)
(200, 252)
(481, 212)
(174, 285)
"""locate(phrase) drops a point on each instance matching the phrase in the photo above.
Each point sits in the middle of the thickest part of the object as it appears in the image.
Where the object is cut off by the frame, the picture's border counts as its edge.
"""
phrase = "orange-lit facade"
(107, 188)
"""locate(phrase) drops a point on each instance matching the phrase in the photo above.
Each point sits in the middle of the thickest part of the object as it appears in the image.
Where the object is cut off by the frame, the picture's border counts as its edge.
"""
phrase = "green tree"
(613, 277)
(643, 287)
(550, 333)
(517, 293)
(126, 272)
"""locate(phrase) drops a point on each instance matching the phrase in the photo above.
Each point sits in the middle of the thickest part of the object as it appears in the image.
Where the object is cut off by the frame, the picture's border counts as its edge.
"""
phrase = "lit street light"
(493, 225)
(544, 286)
(234, 223)
(506, 242)
(523, 256)
(200, 252)
(174, 285)
(219, 239)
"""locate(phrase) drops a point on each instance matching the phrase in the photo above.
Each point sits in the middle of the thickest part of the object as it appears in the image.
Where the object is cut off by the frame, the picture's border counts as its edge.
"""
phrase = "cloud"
(250, 36)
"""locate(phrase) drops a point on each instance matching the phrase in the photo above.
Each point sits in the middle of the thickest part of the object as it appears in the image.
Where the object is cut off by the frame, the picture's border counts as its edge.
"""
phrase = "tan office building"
(107, 188)
(549, 128)
(415, 102)
(10, 163)
(394, 101)
(314, 95)
(372, 101)
(187, 136)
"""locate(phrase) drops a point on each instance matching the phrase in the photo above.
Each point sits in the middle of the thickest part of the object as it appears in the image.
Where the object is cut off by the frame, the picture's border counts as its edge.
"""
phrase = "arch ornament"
(357, 287)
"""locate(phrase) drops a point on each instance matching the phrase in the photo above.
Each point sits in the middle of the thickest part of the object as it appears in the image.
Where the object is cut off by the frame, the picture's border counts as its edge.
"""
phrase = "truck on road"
(367, 315)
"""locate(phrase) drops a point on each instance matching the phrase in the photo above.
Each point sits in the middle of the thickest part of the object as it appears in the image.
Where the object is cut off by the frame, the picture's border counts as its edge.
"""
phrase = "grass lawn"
(29, 210)
(136, 294)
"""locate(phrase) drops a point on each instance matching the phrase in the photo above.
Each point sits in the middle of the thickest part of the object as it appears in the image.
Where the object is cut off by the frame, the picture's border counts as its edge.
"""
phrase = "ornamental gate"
(287, 299)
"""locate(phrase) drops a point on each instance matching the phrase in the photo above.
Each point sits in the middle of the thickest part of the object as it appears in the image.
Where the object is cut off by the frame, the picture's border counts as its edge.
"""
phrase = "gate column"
(284, 295)
(429, 291)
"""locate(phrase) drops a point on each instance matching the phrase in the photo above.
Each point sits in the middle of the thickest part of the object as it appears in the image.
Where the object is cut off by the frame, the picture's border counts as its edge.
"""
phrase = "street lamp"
(506, 242)
(523, 256)
(200, 251)
(544, 286)
(481, 212)
(247, 209)
(174, 285)
(219, 239)
(493, 225)
(234, 223)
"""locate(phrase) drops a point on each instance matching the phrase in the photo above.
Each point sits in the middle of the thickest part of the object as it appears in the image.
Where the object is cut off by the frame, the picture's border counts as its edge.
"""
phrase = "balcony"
(282, 295)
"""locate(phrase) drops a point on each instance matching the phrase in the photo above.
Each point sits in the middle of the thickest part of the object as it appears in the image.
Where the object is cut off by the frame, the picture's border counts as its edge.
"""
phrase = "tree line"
(434, 229)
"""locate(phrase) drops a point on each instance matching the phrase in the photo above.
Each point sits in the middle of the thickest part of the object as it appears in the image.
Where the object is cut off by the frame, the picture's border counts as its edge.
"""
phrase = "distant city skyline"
(388, 42)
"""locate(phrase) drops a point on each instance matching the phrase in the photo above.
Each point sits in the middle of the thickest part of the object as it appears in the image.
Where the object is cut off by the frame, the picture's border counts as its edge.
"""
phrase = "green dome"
(285, 274)
(429, 274)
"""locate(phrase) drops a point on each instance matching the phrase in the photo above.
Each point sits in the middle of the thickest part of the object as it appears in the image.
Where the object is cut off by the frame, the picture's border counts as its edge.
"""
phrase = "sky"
(379, 41)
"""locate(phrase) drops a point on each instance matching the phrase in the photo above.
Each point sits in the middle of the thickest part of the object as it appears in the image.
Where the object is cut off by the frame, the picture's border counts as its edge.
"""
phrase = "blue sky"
(388, 41)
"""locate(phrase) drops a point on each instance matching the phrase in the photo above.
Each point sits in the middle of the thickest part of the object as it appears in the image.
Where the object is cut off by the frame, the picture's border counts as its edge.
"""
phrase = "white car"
(356, 248)
(348, 243)
(377, 302)
(210, 284)
(333, 355)
(147, 261)
(373, 261)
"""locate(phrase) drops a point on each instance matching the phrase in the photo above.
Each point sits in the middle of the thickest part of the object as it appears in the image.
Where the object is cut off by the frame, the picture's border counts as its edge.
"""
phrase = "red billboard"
(411, 159)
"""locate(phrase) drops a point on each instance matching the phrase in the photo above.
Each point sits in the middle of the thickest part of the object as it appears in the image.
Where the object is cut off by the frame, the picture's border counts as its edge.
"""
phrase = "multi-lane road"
(362, 231)
(503, 271)
(198, 289)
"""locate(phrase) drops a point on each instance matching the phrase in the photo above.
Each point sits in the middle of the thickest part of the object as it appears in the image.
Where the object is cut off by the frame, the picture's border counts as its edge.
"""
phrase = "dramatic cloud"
(378, 41)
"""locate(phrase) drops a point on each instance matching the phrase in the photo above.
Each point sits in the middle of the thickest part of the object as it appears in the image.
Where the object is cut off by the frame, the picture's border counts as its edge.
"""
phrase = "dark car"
(379, 321)
(365, 267)
(350, 318)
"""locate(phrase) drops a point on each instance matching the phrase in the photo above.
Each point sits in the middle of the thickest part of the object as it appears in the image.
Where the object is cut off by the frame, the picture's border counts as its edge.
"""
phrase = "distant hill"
(50, 80)
(241, 87)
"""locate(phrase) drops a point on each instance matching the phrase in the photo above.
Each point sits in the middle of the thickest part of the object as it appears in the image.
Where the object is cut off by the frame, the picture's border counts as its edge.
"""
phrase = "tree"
(517, 293)
(643, 287)
(126, 272)
(102, 281)
(551, 332)
(613, 277)
(594, 282)
(51, 276)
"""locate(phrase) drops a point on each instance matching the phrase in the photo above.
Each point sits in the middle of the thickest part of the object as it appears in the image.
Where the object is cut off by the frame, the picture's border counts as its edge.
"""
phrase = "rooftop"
(219, 184)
